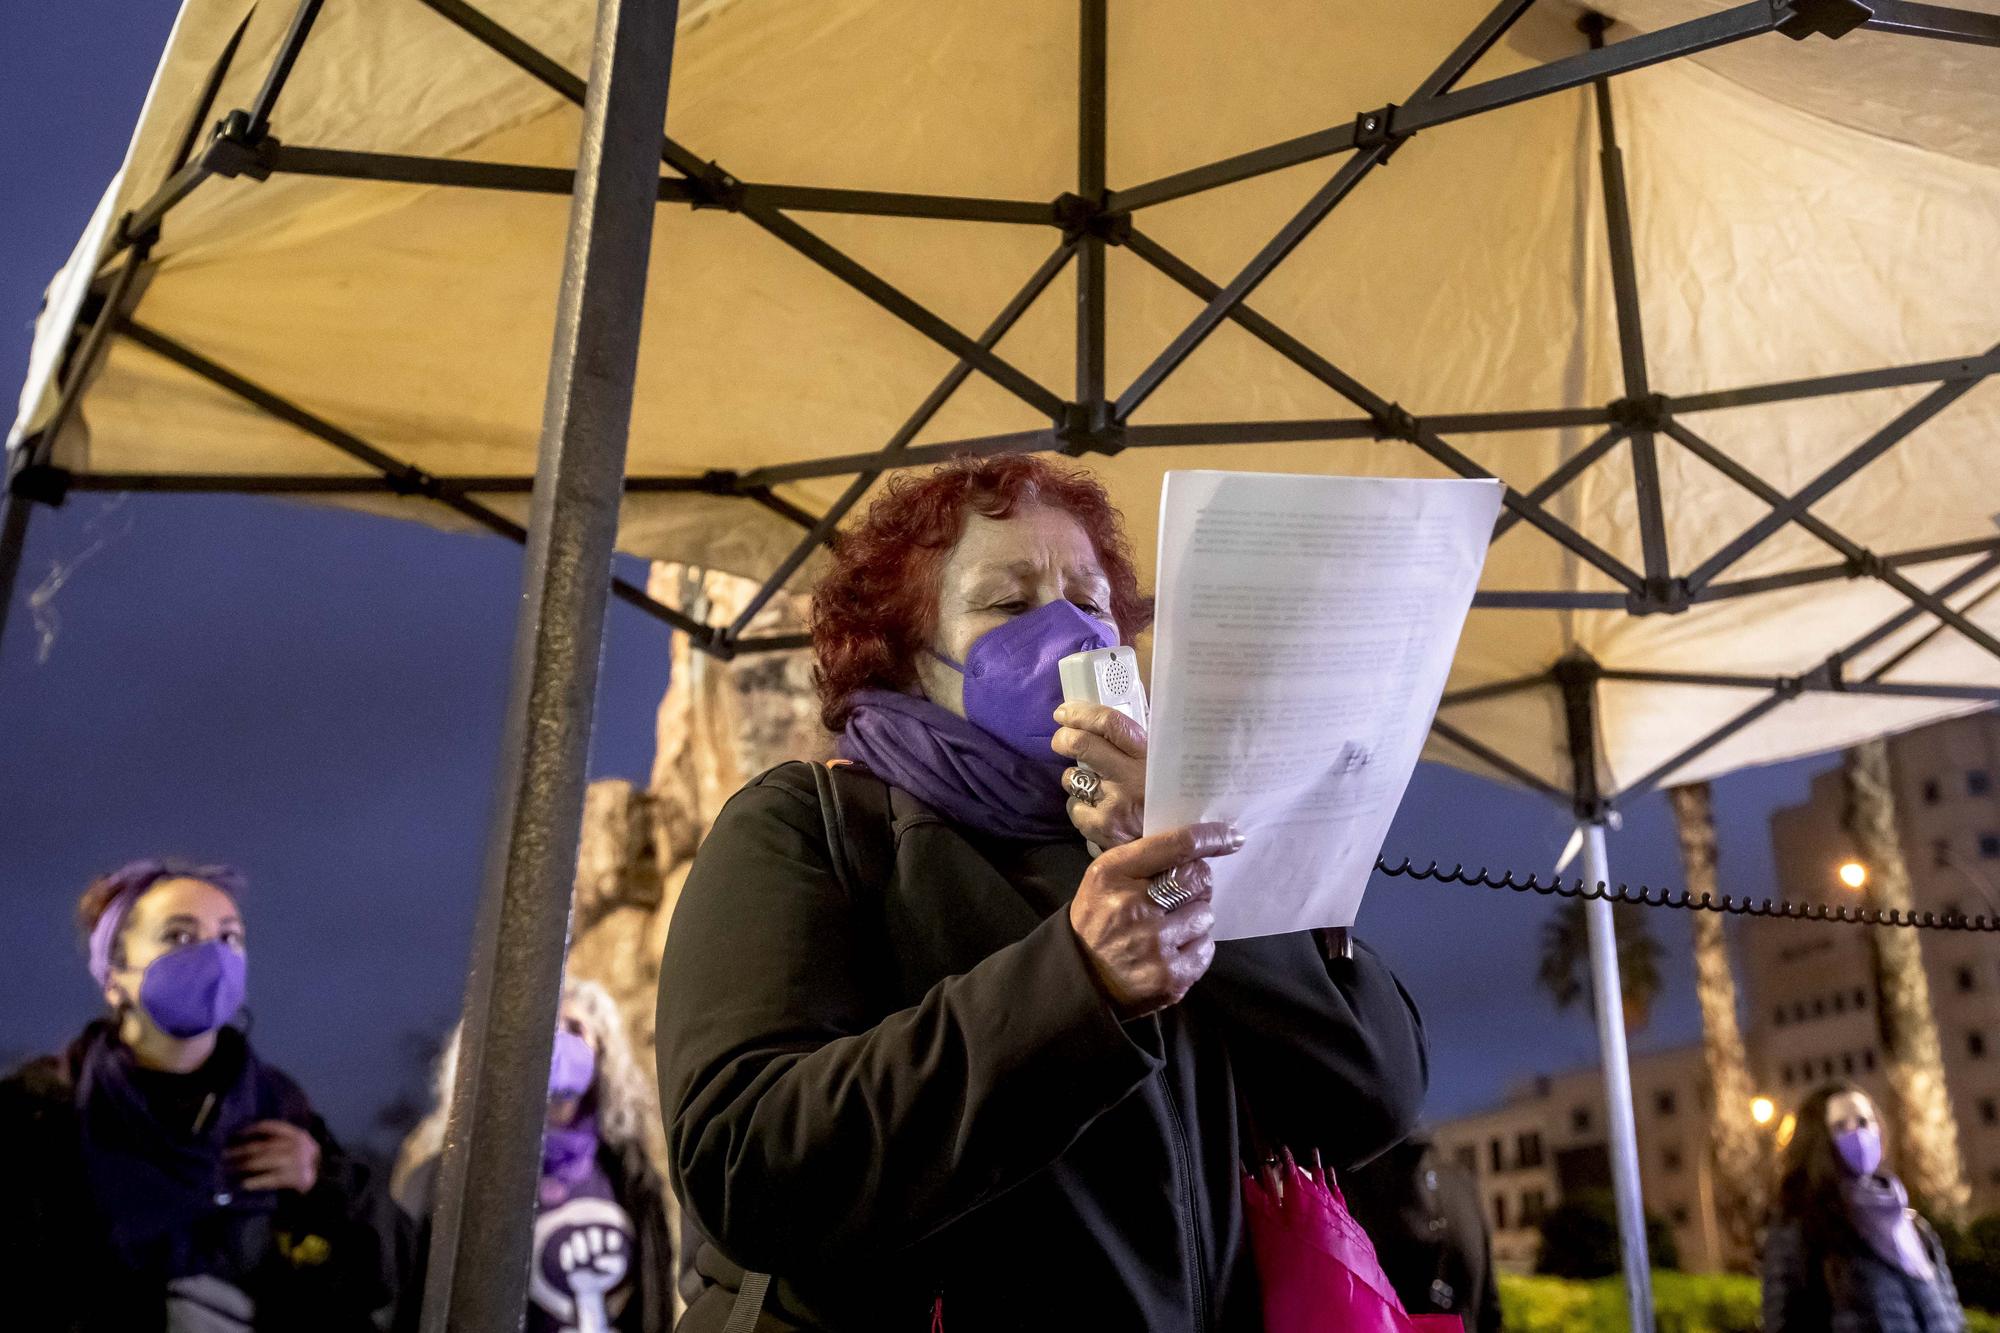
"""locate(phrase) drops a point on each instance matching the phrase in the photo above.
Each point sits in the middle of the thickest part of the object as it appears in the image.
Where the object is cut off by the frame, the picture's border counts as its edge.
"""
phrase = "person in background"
(926, 1062)
(159, 1175)
(602, 1258)
(1846, 1253)
(1423, 1214)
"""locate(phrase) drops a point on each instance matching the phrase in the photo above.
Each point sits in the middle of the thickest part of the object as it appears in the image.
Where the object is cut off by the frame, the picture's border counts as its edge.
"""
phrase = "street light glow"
(1762, 1109)
(1853, 874)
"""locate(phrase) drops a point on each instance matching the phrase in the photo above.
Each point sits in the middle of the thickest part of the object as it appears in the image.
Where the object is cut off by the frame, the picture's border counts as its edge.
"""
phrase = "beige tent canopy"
(1724, 324)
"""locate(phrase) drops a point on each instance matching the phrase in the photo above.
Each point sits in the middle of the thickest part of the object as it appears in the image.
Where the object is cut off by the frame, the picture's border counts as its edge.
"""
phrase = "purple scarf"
(1879, 1207)
(568, 1153)
(955, 768)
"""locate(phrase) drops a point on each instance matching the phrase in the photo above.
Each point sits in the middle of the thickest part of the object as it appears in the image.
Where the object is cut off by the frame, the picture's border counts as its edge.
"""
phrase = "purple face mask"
(193, 990)
(1860, 1149)
(1012, 687)
(572, 1066)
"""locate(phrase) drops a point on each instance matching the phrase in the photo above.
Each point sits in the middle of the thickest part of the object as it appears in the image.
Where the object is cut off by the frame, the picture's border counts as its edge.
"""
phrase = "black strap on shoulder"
(860, 827)
(860, 839)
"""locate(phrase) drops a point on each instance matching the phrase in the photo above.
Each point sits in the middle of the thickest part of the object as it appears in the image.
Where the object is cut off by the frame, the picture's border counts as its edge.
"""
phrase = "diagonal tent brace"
(401, 477)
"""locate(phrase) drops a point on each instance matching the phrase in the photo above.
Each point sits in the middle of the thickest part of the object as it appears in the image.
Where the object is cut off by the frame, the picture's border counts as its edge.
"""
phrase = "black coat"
(1423, 1214)
(1856, 1291)
(637, 1188)
(916, 1090)
(56, 1264)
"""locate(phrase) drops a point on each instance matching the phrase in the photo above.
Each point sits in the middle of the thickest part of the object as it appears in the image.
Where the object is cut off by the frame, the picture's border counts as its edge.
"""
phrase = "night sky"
(316, 697)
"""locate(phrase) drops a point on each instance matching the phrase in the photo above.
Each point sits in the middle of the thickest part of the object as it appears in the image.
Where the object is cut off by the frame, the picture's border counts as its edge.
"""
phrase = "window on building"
(1978, 782)
(1499, 1212)
(1975, 1044)
(1467, 1158)
(1670, 1159)
(1528, 1150)
(1533, 1206)
(1826, 1068)
(1785, 1076)
(1847, 1064)
(1778, 1016)
(1860, 998)
(1663, 1101)
(1989, 1111)
(1994, 1175)
(1989, 846)
(1940, 852)
(1840, 1002)
(1966, 980)
(1868, 1060)
(1819, 1008)
(1933, 791)
(1579, 1119)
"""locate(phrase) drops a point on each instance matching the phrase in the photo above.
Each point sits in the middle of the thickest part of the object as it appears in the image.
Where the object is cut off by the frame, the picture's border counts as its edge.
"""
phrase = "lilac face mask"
(193, 990)
(1860, 1149)
(1012, 686)
(572, 1066)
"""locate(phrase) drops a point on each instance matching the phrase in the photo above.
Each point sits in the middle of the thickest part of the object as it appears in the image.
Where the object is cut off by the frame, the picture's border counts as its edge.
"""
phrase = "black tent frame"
(616, 187)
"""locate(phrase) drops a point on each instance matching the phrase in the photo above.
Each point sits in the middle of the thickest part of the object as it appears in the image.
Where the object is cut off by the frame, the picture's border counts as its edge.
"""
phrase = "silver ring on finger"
(1170, 889)
(1084, 785)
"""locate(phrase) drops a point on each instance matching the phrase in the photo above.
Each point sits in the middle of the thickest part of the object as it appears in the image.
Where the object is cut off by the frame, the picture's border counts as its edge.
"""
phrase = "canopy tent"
(1723, 325)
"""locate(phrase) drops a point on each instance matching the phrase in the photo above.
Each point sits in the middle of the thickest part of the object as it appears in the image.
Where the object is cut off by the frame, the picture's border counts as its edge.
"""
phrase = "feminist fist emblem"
(583, 1255)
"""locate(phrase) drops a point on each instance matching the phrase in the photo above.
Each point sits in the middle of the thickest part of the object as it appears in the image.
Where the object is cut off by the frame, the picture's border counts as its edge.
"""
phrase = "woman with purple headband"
(162, 1176)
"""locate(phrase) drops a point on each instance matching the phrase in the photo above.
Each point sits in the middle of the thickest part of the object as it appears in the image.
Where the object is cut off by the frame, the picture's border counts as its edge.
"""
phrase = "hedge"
(1685, 1303)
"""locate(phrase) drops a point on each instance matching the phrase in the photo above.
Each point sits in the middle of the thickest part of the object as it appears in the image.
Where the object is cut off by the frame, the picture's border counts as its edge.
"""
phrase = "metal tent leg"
(1623, 1145)
(483, 1226)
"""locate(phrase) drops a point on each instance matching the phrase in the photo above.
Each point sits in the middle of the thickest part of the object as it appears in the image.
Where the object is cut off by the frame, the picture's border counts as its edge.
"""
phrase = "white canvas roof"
(1799, 208)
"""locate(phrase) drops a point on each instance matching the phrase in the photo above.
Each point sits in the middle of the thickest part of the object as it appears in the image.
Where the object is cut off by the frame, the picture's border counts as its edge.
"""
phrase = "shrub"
(1682, 1302)
(1975, 1261)
(1580, 1238)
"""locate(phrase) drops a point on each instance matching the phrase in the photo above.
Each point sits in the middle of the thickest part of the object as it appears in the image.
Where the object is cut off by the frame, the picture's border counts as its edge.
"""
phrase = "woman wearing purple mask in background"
(162, 1176)
(1846, 1252)
(602, 1258)
(928, 1063)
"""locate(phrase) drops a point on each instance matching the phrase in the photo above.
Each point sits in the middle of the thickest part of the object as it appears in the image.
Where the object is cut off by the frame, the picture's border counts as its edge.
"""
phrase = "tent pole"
(1623, 1147)
(1090, 310)
(1577, 674)
(484, 1220)
(14, 513)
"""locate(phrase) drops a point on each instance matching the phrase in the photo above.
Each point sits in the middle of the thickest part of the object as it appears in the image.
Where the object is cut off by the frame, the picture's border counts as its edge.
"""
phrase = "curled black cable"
(1732, 904)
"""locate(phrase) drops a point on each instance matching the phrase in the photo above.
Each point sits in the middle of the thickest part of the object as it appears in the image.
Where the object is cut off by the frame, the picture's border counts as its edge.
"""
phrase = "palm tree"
(1564, 970)
(1733, 1137)
(1926, 1128)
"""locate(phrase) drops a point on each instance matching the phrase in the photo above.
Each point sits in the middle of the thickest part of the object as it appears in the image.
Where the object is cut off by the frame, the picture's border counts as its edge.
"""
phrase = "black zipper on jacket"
(1183, 1167)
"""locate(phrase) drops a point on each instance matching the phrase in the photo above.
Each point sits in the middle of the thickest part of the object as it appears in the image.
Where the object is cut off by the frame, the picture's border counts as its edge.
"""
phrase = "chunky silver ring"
(1168, 891)
(1084, 785)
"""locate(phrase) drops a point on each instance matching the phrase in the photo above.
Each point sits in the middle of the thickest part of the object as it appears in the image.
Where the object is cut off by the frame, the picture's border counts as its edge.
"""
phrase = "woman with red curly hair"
(924, 1055)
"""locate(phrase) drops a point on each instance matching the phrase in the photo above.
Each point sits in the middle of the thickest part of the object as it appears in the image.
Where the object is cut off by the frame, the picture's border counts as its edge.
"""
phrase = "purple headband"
(133, 879)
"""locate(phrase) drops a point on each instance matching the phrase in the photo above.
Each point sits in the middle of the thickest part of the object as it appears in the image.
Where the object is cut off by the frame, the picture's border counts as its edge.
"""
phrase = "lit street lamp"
(1762, 1109)
(1853, 874)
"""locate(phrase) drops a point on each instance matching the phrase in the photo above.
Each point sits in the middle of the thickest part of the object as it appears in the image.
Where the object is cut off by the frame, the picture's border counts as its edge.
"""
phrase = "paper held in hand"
(1305, 627)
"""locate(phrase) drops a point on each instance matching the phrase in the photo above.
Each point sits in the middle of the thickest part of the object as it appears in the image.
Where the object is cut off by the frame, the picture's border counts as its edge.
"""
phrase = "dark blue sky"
(316, 696)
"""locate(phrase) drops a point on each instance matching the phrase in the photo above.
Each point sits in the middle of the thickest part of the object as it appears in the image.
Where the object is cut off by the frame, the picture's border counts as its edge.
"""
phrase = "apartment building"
(1808, 998)
(1808, 986)
(1547, 1140)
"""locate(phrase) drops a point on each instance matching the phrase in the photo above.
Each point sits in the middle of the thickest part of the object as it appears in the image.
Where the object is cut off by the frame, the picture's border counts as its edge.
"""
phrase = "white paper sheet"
(1305, 628)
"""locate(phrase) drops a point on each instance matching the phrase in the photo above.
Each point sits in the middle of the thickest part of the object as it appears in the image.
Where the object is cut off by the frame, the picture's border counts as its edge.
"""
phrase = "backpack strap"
(863, 853)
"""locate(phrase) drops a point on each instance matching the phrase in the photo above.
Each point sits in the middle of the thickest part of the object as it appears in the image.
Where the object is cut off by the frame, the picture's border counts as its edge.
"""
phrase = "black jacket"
(1423, 1214)
(916, 1091)
(1806, 1291)
(57, 1268)
(637, 1187)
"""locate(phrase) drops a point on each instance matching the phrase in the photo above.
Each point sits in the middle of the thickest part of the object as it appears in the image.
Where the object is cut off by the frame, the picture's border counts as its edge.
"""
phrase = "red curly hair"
(876, 608)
